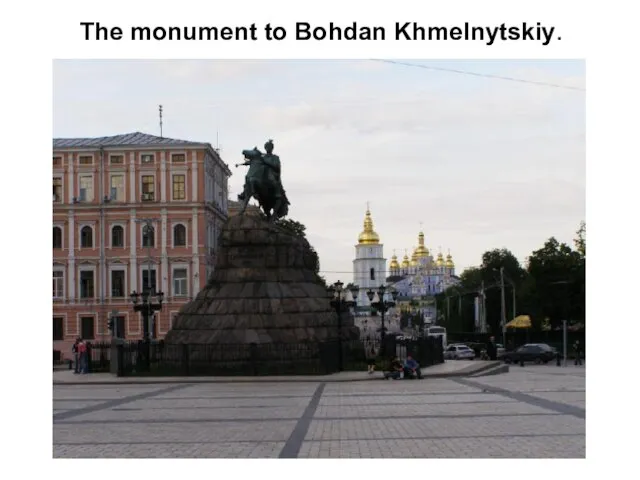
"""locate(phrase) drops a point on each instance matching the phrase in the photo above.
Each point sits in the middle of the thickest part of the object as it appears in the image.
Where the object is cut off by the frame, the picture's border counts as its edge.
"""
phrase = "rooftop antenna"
(160, 110)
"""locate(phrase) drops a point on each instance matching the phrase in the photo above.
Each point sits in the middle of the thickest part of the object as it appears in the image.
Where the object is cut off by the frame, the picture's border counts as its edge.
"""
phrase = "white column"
(194, 250)
(163, 177)
(71, 275)
(164, 270)
(194, 176)
(70, 179)
(133, 260)
(132, 178)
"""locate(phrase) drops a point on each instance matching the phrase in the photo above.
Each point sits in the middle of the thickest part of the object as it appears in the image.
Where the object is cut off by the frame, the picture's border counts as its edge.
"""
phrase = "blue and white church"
(417, 278)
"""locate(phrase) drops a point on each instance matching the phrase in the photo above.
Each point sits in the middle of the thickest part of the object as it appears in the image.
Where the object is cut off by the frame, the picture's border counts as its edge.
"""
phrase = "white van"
(439, 332)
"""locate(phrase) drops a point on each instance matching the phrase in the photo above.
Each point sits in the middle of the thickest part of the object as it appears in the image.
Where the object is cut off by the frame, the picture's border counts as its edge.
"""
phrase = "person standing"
(577, 350)
(371, 354)
(82, 353)
(492, 349)
(76, 356)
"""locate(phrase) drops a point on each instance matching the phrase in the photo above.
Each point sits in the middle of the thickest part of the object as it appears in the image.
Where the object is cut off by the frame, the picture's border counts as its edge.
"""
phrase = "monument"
(265, 293)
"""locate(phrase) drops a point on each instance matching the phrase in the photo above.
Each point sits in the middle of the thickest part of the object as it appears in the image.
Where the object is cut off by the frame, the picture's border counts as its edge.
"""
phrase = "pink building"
(105, 191)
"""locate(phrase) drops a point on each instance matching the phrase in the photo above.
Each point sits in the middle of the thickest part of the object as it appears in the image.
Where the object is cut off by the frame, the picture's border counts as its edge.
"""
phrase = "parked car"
(459, 352)
(531, 352)
(500, 351)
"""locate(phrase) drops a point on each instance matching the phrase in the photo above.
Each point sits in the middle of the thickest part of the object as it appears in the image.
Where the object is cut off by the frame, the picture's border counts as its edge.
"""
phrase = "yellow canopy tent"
(521, 321)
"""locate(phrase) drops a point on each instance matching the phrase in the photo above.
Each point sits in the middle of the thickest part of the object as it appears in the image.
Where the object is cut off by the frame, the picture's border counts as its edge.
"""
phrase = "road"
(530, 412)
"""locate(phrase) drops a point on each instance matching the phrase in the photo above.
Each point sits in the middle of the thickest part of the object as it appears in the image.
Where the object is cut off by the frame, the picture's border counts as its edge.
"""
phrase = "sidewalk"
(457, 368)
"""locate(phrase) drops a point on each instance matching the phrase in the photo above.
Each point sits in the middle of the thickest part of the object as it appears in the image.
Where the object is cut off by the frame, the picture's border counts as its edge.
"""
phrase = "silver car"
(459, 352)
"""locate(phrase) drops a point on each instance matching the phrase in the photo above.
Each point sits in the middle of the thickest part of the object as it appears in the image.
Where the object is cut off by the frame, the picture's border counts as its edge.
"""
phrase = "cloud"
(481, 162)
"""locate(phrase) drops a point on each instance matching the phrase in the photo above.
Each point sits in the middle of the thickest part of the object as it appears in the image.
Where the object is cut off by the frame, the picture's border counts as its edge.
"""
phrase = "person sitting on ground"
(412, 368)
(395, 369)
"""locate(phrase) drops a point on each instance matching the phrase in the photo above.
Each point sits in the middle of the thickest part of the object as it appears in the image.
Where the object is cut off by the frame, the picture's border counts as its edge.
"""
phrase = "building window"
(86, 284)
(58, 284)
(58, 328)
(148, 190)
(117, 159)
(87, 328)
(178, 158)
(86, 237)
(57, 237)
(179, 236)
(86, 188)
(85, 160)
(117, 283)
(178, 187)
(57, 161)
(117, 188)
(148, 280)
(372, 274)
(146, 158)
(180, 282)
(57, 189)
(117, 237)
(119, 323)
(148, 236)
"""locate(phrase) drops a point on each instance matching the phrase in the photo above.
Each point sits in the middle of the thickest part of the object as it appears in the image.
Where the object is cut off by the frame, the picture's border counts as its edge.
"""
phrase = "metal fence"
(143, 358)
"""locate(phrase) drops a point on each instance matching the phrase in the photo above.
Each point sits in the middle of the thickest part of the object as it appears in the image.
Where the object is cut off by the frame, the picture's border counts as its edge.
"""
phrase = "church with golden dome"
(418, 277)
(369, 266)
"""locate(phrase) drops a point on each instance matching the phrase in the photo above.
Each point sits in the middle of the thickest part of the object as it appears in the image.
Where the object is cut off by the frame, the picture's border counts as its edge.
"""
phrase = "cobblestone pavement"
(530, 412)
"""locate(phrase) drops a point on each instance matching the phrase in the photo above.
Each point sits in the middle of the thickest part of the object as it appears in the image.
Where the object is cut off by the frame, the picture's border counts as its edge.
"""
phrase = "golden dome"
(394, 265)
(421, 251)
(405, 261)
(368, 236)
(449, 263)
(440, 260)
(414, 259)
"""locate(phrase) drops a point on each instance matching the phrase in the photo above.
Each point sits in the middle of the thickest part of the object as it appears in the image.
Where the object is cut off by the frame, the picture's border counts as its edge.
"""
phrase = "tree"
(557, 282)
(293, 226)
(514, 274)
(580, 241)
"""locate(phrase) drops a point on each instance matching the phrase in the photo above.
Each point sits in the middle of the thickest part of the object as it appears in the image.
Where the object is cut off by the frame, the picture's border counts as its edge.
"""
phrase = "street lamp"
(339, 300)
(147, 308)
(382, 306)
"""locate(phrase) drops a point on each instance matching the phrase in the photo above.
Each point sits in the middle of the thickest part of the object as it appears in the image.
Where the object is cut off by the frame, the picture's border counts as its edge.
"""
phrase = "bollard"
(558, 359)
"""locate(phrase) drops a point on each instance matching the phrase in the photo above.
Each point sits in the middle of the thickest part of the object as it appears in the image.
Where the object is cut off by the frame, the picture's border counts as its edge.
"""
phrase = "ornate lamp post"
(382, 305)
(147, 308)
(339, 300)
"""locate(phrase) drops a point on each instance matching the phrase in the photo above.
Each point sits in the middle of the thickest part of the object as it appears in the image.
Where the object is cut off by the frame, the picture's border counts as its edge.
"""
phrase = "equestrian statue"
(263, 183)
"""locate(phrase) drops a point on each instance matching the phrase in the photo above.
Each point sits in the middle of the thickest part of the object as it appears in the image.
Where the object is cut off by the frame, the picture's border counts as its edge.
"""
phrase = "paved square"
(530, 412)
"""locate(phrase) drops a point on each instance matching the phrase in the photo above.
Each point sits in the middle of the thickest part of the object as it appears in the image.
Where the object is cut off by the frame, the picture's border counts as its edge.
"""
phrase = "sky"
(475, 162)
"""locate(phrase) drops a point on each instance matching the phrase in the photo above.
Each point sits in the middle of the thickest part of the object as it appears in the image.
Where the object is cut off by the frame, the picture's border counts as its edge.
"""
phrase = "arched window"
(57, 237)
(117, 236)
(372, 274)
(179, 236)
(148, 237)
(86, 237)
